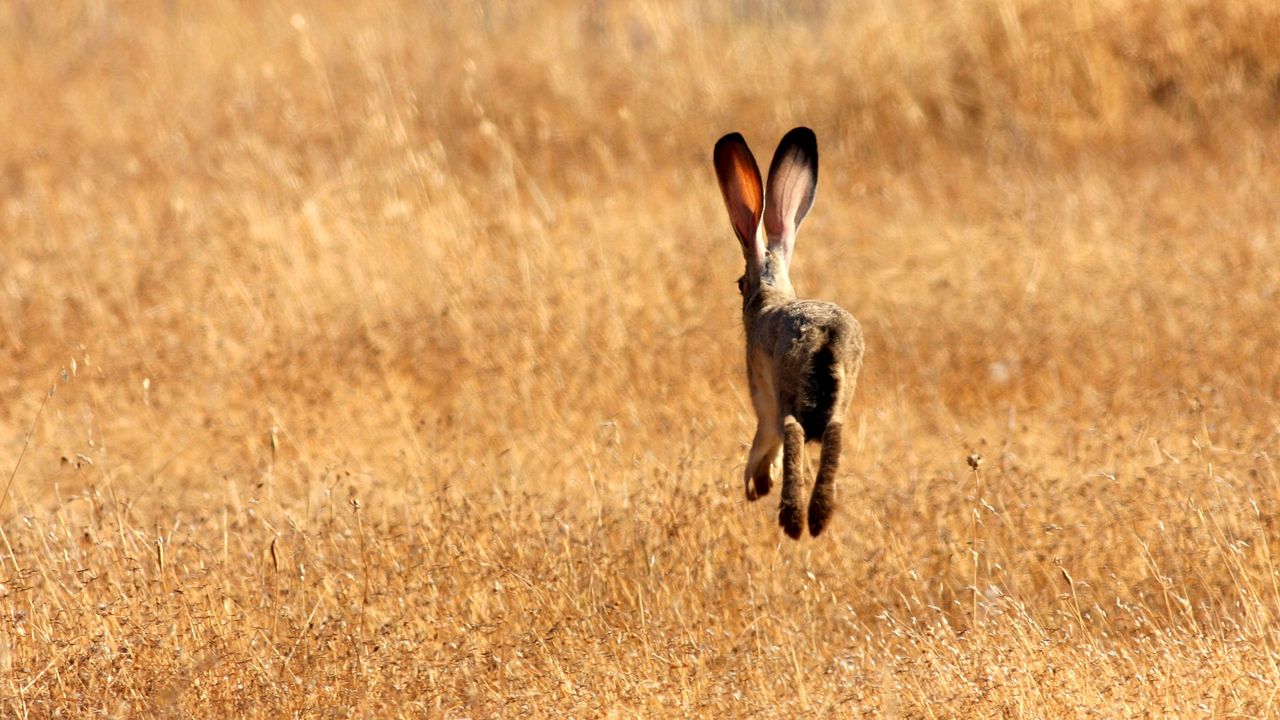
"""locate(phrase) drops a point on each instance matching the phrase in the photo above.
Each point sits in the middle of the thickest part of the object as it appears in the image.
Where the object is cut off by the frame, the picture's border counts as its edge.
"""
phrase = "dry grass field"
(384, 359)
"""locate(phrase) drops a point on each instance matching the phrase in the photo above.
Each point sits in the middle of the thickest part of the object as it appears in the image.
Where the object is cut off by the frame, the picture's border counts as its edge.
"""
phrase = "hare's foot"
(760, 483)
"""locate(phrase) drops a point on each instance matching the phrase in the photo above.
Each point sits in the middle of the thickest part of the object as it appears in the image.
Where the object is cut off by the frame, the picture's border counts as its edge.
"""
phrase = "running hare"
(803, 356)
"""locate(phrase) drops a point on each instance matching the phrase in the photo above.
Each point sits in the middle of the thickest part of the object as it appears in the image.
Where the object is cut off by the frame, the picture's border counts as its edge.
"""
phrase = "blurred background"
(256, 255)
(500, 223)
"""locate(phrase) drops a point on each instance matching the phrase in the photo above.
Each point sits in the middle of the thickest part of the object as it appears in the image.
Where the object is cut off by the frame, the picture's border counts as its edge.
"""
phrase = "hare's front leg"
(791, 508)
(764, 449)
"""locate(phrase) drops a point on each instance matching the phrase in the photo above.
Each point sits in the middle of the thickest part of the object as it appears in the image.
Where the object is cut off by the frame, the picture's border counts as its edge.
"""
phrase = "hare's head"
(793, 180)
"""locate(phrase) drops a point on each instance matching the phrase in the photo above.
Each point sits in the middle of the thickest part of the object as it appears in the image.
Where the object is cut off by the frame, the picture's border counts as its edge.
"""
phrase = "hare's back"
(810, 317)
(816, 326)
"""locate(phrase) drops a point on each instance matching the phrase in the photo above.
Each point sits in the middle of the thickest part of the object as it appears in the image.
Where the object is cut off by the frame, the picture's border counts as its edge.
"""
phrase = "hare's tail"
(822, 381)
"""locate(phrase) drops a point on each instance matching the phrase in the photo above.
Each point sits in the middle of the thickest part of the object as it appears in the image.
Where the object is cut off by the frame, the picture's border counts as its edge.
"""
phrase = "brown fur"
(803, 356)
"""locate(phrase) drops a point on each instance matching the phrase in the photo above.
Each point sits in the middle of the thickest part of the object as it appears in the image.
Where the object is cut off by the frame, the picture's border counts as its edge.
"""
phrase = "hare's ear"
(739, 178)
(793, 180)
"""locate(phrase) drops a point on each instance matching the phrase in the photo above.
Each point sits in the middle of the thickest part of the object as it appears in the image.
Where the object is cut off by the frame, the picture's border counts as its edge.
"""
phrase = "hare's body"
(803, 356)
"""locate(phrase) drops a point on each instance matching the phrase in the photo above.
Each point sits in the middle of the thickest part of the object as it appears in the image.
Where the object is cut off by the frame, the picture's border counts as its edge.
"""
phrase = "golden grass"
(395, 360)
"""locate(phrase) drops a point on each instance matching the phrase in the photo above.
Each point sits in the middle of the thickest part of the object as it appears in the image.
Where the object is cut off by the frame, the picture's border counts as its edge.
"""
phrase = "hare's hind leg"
(791, 508)
(822, 501)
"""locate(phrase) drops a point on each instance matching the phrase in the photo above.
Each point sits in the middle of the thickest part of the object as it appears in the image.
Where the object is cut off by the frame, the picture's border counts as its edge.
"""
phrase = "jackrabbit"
(803, 356)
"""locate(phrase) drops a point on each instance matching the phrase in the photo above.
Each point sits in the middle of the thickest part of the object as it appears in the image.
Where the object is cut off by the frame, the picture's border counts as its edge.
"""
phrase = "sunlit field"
(374, 359)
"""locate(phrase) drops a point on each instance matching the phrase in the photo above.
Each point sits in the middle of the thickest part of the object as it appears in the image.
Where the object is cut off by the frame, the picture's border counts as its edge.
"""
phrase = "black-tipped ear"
(793, 183)
(743, 192)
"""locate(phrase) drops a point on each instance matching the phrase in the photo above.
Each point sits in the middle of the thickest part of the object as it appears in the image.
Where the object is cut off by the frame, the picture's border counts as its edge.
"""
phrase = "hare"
(803, 356)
